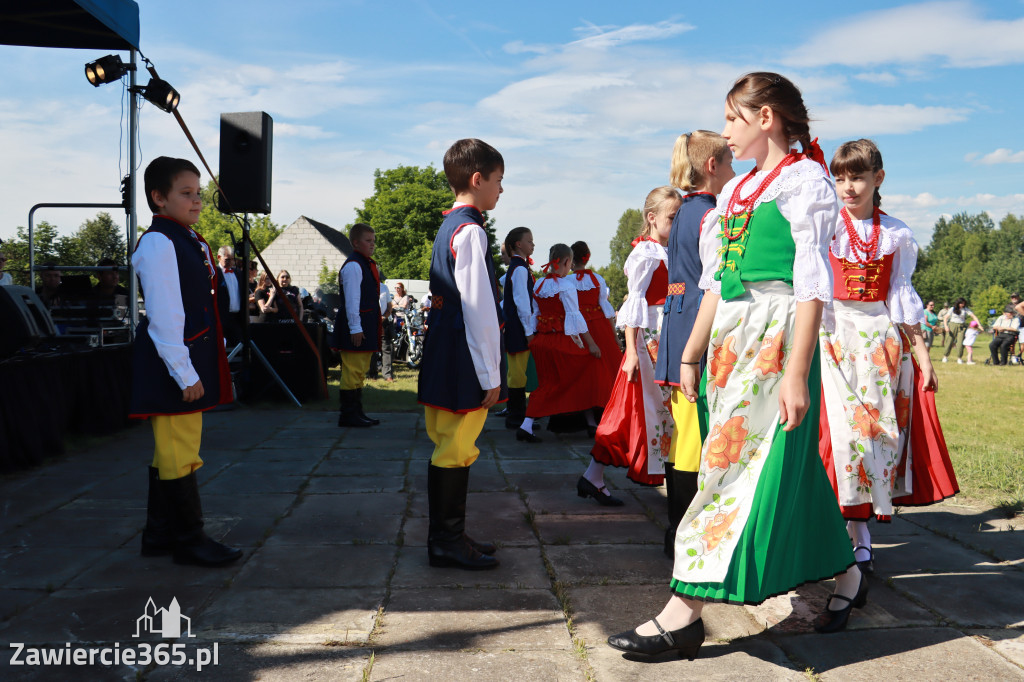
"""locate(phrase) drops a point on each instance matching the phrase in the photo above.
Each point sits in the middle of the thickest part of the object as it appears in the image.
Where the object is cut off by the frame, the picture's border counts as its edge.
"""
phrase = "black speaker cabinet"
(246, 153)
(25, 320)
(291, 357)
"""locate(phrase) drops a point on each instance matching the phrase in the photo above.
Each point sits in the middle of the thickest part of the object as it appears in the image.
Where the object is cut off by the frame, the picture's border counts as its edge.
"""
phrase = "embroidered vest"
(765, 252)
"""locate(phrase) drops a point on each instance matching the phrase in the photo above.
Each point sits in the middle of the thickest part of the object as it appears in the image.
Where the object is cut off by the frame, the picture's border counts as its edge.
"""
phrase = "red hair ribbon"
(548, 265)
(814, 153)
(530, 261)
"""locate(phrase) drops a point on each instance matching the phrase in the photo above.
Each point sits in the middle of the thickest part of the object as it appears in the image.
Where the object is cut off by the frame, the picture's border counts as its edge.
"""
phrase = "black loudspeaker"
(291, 357)
(246, 152)
(26, 321)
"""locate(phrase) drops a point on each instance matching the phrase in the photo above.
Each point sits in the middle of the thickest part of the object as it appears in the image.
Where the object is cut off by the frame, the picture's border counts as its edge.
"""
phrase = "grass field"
(981, 409)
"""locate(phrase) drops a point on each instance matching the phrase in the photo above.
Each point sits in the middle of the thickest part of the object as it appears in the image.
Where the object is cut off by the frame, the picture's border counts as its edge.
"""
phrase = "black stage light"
(160, 93)
(106, 70)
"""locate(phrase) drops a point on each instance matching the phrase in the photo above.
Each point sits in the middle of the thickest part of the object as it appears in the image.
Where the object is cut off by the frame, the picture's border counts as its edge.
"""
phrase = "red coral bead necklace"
(737, 206)
(868, 249)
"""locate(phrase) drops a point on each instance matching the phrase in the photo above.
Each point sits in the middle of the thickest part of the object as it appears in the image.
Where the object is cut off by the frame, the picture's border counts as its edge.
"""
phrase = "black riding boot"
(359, 408)
(158, 535)
(191, 544)
(670, 494)
(516, 408)
(684, 484)
(447, 543)
(349, 410)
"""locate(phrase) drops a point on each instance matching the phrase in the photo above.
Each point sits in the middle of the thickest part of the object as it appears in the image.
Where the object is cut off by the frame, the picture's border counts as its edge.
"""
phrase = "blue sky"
(584, 99)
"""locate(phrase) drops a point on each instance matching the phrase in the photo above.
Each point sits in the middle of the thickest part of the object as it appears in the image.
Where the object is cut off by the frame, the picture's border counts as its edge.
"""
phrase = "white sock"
(595, 474)
(678, 613)
(527, 425)
(861, 537)
(847, 585)
(589, 414)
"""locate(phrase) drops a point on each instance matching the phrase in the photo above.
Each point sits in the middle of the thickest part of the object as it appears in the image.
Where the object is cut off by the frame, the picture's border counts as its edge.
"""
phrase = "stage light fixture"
(160, 93)
(106, 70)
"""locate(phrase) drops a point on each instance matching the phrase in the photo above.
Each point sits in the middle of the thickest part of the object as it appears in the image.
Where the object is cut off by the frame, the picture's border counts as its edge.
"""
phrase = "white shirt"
(231, 282)
(565, 289)
(6, 280)
(525, 307)
(483, 334)
(385, 298)
(156, 265)
(352, 281)
(806, 198)
(425, 301)
(639, 267)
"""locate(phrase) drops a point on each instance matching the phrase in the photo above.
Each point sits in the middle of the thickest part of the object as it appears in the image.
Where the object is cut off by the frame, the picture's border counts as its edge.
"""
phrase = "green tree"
(328, 279)
(406, 210)
(993, 297)
(50, 248)
(621, 244)
(219, 229)
(96, 239)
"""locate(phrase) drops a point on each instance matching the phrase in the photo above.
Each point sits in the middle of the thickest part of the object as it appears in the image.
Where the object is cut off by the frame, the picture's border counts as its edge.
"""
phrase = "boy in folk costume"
(880, 438)
(701, 165)
(518, 308)
(359, 315)
(462, 374)
(180, 368)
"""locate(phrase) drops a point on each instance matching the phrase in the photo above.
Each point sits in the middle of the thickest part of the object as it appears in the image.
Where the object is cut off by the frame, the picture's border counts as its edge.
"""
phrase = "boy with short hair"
(357, 328)
(180, 368)
(463, 373)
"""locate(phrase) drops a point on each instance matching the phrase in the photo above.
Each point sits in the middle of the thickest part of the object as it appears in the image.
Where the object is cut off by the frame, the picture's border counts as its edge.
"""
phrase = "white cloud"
(921, 211)
(519, 47)
(605, 37)
(998, 156)
(847, 119)
(878, 78)
(952, 33)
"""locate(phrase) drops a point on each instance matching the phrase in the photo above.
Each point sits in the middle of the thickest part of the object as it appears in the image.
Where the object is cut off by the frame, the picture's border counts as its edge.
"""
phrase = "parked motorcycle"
(408, 341)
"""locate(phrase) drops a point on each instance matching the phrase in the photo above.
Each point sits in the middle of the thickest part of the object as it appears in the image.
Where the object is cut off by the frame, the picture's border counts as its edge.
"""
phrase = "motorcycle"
(407, 345)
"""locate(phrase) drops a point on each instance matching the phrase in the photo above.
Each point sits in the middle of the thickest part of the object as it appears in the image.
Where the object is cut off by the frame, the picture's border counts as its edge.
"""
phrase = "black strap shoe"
(524, 435)
(687, 641)
(585, 488)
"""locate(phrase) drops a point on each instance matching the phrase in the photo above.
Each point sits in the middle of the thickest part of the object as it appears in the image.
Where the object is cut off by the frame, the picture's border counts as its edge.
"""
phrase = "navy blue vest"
(684, 270)
(154, 391)
(448, 378)
(515, 335)
(369, 310)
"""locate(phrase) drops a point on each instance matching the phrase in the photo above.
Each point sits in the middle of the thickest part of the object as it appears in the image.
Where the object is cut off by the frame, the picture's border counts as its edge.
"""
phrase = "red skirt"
(932, 476)
(621, 438)
(607, 366)
(566, 380)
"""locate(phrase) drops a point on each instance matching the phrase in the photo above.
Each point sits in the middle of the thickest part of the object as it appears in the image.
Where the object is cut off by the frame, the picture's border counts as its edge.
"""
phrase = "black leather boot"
(516, 408)
(684, 488)
(191, 544)
(359, 408)
(349, 411)
(447, 543)
(157, 536)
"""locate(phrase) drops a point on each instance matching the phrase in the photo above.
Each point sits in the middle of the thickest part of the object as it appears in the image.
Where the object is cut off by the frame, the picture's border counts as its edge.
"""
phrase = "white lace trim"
(891, 237)
(585, 284)
(789, 179)
(575, 324)
(812, 278)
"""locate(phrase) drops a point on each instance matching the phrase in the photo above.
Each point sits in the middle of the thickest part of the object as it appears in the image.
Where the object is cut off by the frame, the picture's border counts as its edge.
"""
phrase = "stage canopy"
(86, 24)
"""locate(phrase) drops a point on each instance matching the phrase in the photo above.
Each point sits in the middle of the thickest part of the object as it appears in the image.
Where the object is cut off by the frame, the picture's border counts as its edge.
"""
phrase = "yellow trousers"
(454, 436)
(354, 366)
(177, 438)
(517, 363)
(684, 453)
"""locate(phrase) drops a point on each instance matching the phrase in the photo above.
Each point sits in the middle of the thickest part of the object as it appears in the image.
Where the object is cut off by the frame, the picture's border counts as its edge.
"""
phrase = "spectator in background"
(1004, 333)
(388, 333)
(954, 323)
(425, 303)
(49, 290)
(401, 301)
(254, 310)
(5, 277)
(930, 322)
(291, 293)
(267, 308)
(229, 296)
(108, 285)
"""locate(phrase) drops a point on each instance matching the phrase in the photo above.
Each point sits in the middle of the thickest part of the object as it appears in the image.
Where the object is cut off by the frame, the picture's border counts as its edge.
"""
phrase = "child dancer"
(701, 165)
(764, 519)
(518, 308)
(359, 324)
(592, 292)
(180, 368)
(867, 389)
(970, 336)
(561, 348)
(636, 427)
(462, 375)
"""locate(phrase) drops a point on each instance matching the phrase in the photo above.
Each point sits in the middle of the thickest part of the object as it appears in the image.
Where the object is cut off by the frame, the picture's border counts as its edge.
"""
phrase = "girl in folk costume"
(518, 309)
(592, 292)
(701, 165)
(764, 519)
(561, 347)
(636, 427)
(871, 386)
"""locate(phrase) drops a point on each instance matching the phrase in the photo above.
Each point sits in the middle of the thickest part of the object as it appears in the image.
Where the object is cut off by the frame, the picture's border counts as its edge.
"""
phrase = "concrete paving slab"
(906, 654)
(325, 566)
(299, 443)
(107, 615)
(635, 564)
(505, 532)
(995, 532)
(305, 529)
(276, 661)
(569, 467)
(986, 599)
(314, 616)
(58, 529)
(473, 619)
(283, 455)
(485, 666)
(550, 482)
(1007, 643)
(319, 485)
(361, 467)
(255, 468)
(521, 568)
(45, 568)
(506, 449)
(14, 601)
(579, 529)
(900, 529)
(125, 568)
(380, 442)
(349, 453)
(245, 506)
(926, 554)
(342, 507)
(568, 502)
(45, 673)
